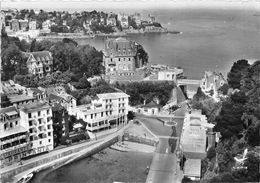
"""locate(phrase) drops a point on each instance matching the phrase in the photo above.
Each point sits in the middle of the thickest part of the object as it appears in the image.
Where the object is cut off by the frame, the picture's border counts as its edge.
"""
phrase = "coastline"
(117, 34)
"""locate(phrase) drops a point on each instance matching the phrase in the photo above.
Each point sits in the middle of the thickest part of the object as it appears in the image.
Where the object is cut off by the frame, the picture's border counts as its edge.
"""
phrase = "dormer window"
(38, 58)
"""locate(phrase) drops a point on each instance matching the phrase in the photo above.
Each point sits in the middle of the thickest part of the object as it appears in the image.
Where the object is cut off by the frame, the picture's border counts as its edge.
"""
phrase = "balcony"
(14, 148)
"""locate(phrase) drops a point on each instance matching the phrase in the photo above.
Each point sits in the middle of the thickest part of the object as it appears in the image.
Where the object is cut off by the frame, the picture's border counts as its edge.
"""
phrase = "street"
(164, 167)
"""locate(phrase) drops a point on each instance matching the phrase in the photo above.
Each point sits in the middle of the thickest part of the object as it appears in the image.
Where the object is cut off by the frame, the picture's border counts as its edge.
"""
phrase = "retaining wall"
(138, 139)
(7, 176)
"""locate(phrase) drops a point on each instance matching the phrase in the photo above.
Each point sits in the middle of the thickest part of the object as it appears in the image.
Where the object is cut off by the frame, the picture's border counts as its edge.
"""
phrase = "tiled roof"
(8, 109)
(19, 98)
(120, 47)
(41, 55)
(35, 106)
(112, 95)
(36, 90)
(55, 97)
(152, 104)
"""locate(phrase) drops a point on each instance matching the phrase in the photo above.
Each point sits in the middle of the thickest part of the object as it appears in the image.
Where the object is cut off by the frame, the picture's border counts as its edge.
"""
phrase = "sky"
(127, 4)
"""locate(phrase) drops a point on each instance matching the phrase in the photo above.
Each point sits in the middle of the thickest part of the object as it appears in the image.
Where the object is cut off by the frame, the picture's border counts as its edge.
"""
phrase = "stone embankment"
(60, 157)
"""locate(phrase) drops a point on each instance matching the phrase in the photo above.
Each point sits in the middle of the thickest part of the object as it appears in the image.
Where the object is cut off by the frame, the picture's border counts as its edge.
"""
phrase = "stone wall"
(139, 139)
(6, 176)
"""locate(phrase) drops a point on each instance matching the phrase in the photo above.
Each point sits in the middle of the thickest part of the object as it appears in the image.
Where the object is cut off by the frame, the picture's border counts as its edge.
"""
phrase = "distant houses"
(123, 20)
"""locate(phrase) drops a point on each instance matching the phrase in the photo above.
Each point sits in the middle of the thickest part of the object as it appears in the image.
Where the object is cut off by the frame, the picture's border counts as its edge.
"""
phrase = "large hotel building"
(37, 117)
(122, 60)
(108, 110)
(14, 137)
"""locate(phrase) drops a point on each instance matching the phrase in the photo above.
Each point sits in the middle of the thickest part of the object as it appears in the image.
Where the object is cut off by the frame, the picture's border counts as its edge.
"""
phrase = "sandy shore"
(120, 163)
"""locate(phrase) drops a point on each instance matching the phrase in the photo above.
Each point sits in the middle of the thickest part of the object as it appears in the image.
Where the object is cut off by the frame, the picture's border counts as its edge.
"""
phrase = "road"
(164, 167)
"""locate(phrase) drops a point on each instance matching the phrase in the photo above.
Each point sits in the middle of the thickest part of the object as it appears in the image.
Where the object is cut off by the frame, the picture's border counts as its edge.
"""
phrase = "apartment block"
(37, 117)
(106, 111)
(14, 138)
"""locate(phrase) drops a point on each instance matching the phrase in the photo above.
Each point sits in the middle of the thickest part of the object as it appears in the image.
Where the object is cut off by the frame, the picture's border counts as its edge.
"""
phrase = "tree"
(224, 89)
(224, 156)
(83, 83)
(236, 73)
(229, 121)
(251, 116)
(251, 171)
(11, 58)
(211, 153)
(130, 115)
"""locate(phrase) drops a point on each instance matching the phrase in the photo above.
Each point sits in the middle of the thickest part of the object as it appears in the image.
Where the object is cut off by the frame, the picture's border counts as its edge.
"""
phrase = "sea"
(210, 39)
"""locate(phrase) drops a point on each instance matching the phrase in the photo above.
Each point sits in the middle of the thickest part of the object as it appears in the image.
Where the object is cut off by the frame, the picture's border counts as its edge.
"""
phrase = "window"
(91, 116)
(11, 125)
(40, 142)
(49, 126)
(101, 114)
(31, 138)
(48, 111)
(49, 140)
(129, 59)
(29, 115)
(30, 123)
(16, 123)
(30, 130)
(5, 126)
(118, 59)
(111, 59)
(39, 113)
(49, 134)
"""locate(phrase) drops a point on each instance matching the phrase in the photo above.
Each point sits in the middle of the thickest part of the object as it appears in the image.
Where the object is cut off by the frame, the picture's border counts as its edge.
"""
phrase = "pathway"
(164, 167)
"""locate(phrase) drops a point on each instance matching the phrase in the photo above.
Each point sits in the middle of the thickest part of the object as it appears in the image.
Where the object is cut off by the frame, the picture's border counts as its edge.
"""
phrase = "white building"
(123, 19)
(170, 74)
(151, 108)
(211, 82)
(14, 139)
(108, 110)
(193, 142)
(65, 100)
(37, 117)
(32, 25)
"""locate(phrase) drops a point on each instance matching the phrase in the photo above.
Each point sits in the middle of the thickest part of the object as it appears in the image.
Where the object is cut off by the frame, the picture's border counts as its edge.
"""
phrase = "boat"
(26, 178)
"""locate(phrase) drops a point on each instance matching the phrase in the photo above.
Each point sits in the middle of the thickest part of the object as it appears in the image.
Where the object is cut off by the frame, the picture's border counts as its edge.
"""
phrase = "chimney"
(144, 102)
